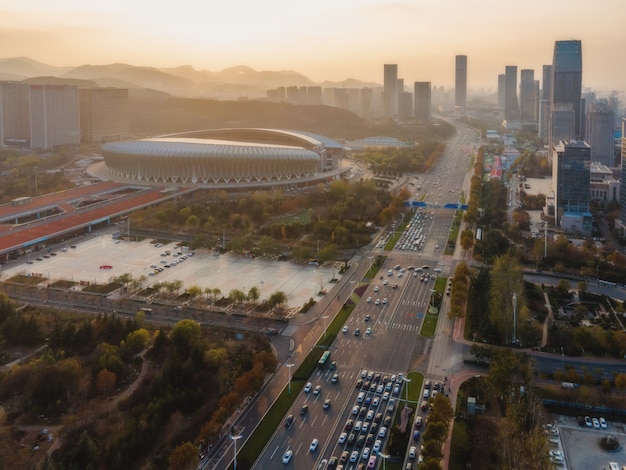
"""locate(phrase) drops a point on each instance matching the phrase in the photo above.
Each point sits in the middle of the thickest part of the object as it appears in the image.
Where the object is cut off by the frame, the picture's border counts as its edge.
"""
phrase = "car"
(307, 387)
(370, 415)
(602, 423)
(333, 365)
(326, 404)
(360, 442)
(380, 388)
(362, 411)
(355, 456)
(351, 438)
(426, 394)
(588, 421)
(385, 301)
(412, 452)
(372, 462)
(376, 401)
(395, 286)
(342, 438)
(367, 318)
(596, 423)
(369, 300)
(368, 332)
(387, 421)
(355, 410)
(425, 267)
(408, 466)
(335, 378)
(391, 405)
(419, 421)
(348, 425)
(304, 410)
(359, 383)
(317, 390)
(377, 302)
(377, 445)
(378, 417)
(363, 374)
(375, 288)
(424, 405)
(420, 459)
(357, 332)
(365, 427)
(382, 432)
(385, 282)
(313, 446)
(369, 439)
(366, 453)
(361, 396)
(345, 330)
(344, 456)
(357, 426)
(396, 390)
(416, 435)
(332, 462)
(386, 396)
(289, 421)
(287, 456)
(427, 384)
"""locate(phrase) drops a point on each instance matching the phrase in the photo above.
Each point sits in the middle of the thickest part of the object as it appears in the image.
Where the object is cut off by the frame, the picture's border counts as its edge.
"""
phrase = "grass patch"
(25, 279)
(63, 284)
(454, 232)
(304, 217)
(429, 326)
(102, 288)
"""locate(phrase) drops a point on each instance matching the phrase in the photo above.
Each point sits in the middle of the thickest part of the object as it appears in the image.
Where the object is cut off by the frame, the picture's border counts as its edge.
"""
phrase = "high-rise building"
(460, 82)
(529, 99)
(571, 183)
(622, 194)
(422, 98)
(511, 105)
(405, 104)
(15, 114)
(567, 70)
(103, 114)
(599, 130)
(545, 103)
(501, 90)
(390, 91)
(54, 116)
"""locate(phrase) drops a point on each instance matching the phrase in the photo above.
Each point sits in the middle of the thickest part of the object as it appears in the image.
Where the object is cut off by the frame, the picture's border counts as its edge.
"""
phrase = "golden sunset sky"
(323, 39)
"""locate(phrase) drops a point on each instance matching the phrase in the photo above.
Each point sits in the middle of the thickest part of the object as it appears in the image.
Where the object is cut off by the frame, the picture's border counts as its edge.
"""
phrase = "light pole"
(562, 357)
(370, 268)
(289, 366)
(406, 381)
(514, 317)
(324, 317)
(384, 457)
(235, 439)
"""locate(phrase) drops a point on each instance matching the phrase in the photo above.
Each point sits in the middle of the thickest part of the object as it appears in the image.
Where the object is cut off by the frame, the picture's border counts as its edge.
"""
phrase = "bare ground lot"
(582, 445)
(226, 272)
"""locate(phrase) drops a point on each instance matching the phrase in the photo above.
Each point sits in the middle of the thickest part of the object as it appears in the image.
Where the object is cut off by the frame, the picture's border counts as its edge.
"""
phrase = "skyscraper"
(622, 193)
(390, 91)
(599, 130)
(511, 105)
(529, 99)
(460, 82)
(103, 114)
(571, 183)
(545, 102)
(567, 71)
(501, 90)
(422, 97)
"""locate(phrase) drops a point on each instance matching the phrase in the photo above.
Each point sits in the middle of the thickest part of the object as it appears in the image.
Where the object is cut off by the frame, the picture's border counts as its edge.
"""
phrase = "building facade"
(567, 70)
(571, 182)
(511, 104)
(422, 98)
(604, 186)
(599, 128)
(529, 100)
(460, 82)
(390, 90)
(103, 114)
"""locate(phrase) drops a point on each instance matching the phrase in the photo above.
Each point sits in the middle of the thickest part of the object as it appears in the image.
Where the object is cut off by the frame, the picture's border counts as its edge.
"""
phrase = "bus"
(323, 360)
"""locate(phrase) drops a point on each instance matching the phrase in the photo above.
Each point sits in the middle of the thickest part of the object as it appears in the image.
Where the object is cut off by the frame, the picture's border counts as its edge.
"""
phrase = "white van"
(361, 397)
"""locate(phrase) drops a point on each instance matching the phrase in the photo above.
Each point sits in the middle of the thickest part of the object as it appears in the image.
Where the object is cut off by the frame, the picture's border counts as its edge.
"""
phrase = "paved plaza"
(85, 262)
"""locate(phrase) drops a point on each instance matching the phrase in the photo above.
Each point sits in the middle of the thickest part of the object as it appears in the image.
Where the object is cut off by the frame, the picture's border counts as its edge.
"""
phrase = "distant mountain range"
(185, 81)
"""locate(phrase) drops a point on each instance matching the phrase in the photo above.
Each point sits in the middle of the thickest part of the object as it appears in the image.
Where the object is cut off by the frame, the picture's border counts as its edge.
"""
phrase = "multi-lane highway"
(388, 317)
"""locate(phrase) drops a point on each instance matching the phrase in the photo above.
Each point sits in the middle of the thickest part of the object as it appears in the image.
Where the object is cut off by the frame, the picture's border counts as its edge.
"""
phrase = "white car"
(369, 300)
(342, 438)
(382, 432)
(412, 452)
(345, 330)
(368, 332)
(355, 456)
(377, 445)
(313, 446)
(307, 387)
(426, 393)
(377, 302)
(366, 453)
(287, 457)
(602, 423)
(317, 390)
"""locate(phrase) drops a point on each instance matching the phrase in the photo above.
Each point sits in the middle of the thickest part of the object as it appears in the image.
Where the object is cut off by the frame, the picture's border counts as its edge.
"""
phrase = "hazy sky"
(323, 39)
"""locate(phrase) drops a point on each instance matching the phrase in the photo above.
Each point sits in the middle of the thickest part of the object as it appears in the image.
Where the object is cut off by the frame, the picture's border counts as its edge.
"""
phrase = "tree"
(254, 294)
(186, 336)
(184, 457)
(194, 291)
(276, 299)
(105, 381)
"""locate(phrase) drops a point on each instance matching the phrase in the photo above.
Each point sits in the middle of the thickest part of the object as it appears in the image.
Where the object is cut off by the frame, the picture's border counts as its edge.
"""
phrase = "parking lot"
(581, 445)
(83, 258)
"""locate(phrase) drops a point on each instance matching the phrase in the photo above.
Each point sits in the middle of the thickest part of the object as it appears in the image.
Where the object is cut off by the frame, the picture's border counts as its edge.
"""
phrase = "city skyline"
(327, 41)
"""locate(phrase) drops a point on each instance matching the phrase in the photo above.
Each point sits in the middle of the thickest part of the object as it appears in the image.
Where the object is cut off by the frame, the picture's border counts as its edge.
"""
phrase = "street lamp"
(384, 457)
(406, 381)
(324, 317)
(370, 258)
(289, 366)
(235, 439)
(514, 317)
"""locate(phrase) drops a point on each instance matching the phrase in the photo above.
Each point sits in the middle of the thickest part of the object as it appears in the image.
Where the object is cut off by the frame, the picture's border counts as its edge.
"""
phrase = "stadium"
(243, 157)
